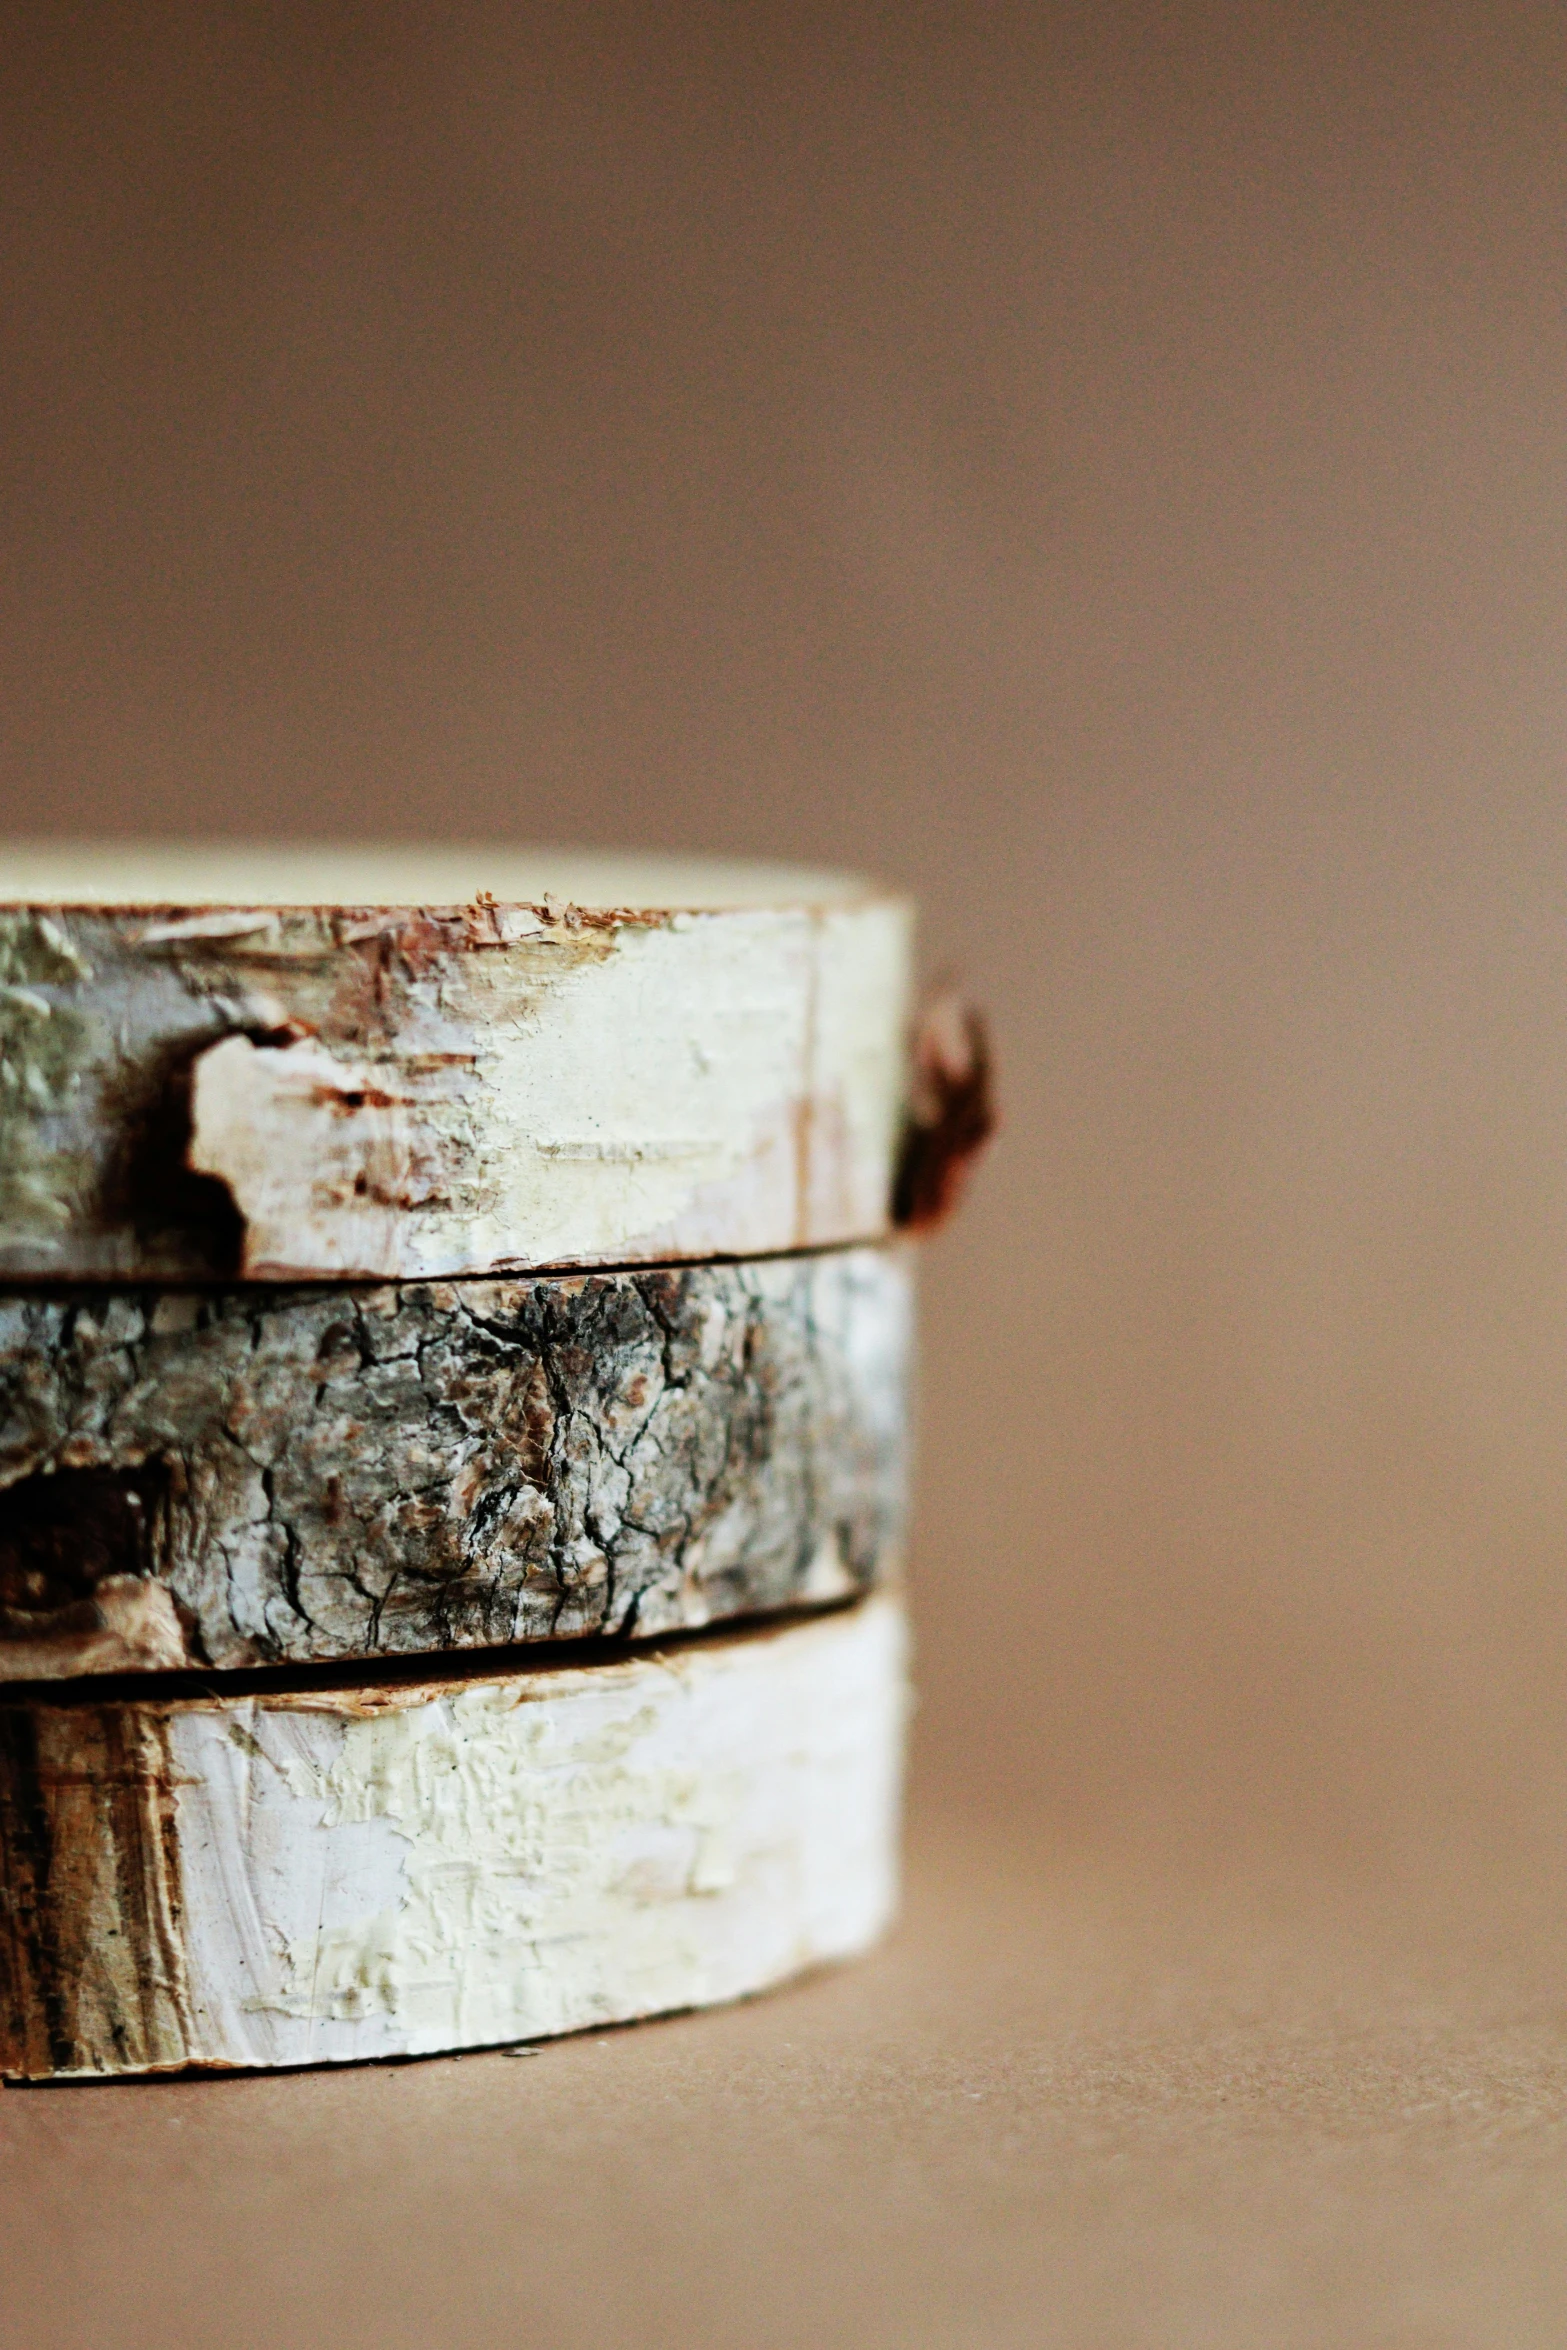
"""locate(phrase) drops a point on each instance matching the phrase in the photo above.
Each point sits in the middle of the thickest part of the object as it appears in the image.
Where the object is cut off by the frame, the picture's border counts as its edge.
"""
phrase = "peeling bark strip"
(239, 1478)
(951, 1114)
(90, 1949)
(400, 1090)
(282, 1880)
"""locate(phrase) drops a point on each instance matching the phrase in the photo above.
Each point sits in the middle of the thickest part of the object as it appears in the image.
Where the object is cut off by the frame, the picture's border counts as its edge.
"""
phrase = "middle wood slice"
(257, 1476)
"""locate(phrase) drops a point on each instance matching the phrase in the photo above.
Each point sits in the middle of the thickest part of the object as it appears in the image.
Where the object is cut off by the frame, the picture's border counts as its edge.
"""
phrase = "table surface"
(1087, 2099)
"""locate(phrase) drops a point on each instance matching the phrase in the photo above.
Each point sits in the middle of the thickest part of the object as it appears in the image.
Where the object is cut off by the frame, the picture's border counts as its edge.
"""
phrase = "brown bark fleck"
(951, 1117)
(90, 1952)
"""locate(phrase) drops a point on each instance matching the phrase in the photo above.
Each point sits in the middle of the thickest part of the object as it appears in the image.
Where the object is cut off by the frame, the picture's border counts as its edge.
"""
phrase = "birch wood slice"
(412, 1063)
(251, 1476)
(282, 1879)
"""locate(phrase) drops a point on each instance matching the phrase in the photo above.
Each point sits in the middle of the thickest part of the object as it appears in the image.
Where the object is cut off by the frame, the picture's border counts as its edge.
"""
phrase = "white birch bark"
(281, 1878)
(250, 1476)
(426, 1065)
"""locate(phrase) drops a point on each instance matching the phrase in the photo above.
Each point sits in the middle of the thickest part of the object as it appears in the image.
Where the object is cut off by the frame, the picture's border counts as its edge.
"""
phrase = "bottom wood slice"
(285, 1877)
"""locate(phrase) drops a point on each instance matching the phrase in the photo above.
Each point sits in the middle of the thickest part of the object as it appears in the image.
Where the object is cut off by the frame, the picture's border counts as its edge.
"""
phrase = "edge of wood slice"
(708, 1062)
(263, 1476)
(275, 1879)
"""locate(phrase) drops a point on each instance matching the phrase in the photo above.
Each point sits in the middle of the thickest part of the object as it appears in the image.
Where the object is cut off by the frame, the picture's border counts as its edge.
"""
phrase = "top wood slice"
(328, 1062)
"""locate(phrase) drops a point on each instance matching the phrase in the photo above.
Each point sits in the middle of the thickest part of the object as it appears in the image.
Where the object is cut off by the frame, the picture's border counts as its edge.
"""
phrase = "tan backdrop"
(1106, 469)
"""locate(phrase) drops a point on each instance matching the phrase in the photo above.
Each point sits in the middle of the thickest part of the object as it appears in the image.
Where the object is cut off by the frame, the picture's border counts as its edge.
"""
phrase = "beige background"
(1106, 468)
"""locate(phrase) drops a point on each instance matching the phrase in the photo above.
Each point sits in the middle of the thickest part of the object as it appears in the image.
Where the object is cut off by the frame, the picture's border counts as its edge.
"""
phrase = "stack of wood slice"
(453, 1353)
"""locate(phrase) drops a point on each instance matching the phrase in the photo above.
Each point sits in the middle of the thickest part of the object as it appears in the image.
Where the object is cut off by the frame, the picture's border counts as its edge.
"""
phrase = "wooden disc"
(322, 1062)
(247, 1476)
(276, 1878)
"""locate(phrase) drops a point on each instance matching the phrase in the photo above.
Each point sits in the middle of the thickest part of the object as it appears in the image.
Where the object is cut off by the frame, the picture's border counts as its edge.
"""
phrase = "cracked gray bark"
(265, 1475)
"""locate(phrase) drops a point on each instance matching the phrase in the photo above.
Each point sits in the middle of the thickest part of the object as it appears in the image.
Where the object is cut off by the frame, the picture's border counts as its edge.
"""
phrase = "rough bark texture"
(90, 1952)
(401, 1092)
(245, 1879)
(249, 1476)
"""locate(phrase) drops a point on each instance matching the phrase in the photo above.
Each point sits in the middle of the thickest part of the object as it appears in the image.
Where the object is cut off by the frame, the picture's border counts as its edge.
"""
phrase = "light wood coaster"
(326, 1062)
(268, 1877)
